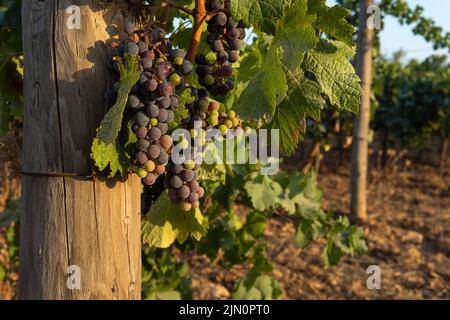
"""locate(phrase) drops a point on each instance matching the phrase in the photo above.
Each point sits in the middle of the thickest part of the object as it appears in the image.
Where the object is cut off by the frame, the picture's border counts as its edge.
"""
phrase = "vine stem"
(199, 17)
(165, 8)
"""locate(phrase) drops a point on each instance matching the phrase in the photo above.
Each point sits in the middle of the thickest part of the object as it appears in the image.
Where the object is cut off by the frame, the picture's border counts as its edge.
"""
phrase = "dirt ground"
(408, 238)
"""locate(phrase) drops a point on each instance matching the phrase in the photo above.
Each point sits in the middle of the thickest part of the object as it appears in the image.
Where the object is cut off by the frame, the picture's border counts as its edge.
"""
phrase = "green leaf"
(113, 155)
(265, 288)
(296, 34)
(213, 172)
(332, 21)
(303, 98)
(262, 15)
(112, 122)
(166, 223)
(263, 192)
(106, 149)
(333, 71)
(265, 91)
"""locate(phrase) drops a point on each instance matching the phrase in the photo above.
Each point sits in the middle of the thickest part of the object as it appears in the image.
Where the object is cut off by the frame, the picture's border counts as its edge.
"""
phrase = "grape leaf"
(263, 192)
(263, 15)
(265, 288)
(112, 122)
(106, 150)
(110, 154)
(166, 223)
(265, 91)
(302, 196)
(296, 34)
(333, 71)
(332, 21)
(303, 98)
(268, 87)
(213, 172)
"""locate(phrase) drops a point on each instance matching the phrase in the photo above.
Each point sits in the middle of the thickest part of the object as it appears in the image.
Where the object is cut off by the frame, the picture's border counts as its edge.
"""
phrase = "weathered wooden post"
(68, 218)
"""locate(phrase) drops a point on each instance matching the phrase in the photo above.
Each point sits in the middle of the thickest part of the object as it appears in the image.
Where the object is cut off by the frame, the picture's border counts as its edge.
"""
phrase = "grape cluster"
(212, 117)
(225, 38)
(183, 185)
(153, 99)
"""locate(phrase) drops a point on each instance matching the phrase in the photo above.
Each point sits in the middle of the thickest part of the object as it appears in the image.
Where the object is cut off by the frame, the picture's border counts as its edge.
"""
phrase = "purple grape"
(132, 49)
(184, 192)
(152, 111)
(163, 127)
(141, 119)
(128, 27)
(193, 197)
(133, 101)
(141, 157)
(142, 145)
(157, 35)
(154, 151)
(166, 89)
(187, 175)
(152, 85)
(163, 115)
(176, 182)
(141, 133)
(155, 134)
(163, 158)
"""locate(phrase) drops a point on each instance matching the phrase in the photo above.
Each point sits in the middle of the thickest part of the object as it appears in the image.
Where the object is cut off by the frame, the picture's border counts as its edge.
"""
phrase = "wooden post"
(360, 149)
(91, 225)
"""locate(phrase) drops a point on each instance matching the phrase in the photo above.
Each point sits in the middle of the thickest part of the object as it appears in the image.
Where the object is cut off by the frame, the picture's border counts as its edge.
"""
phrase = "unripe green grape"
(175, 79)
(178, 61)
(149, 166)
(209, 80)
(214, 114)
(213, 121)
(189, 164)
(223, 129)
(228, 124)
(203, 104)
(153, 122)
(185, 206)
(194, 133)
(183, 144)
(141, 173)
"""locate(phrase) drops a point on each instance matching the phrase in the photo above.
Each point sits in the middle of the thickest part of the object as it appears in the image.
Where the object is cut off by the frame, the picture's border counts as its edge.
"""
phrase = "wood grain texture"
(94, 225)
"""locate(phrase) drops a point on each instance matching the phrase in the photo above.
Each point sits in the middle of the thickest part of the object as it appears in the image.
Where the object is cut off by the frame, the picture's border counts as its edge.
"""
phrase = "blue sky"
(395, 36)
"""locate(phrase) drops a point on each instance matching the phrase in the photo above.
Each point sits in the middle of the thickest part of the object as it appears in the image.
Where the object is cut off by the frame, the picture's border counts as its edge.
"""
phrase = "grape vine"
(185, 88)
